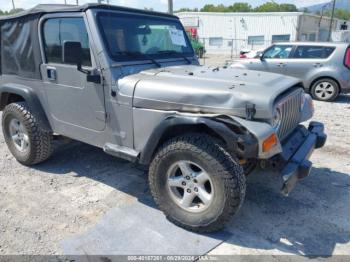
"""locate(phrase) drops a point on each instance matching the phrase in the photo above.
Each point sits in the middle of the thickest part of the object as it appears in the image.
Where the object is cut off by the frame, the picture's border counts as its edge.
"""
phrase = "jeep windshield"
(136, 37)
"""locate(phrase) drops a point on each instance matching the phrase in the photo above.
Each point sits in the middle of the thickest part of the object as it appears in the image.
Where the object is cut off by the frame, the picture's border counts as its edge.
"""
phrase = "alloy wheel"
(19, 135)
(190, 186)
(324, 90)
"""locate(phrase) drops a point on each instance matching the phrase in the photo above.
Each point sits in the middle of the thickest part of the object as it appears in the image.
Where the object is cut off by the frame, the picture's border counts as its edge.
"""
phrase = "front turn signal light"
(269, 143)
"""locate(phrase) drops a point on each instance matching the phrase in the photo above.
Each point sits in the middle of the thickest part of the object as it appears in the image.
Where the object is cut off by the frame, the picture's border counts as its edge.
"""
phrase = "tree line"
(245, 7)
(266, 7)
(13, 11)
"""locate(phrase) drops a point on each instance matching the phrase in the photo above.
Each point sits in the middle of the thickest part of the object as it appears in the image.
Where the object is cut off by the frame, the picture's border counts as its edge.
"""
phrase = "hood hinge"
(250, 111)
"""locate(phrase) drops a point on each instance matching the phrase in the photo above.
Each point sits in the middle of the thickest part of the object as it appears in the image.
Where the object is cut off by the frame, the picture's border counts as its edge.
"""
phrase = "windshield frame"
(141, 57)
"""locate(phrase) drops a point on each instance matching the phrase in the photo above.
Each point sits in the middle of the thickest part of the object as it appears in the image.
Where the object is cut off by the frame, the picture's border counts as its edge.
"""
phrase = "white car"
(246, 53)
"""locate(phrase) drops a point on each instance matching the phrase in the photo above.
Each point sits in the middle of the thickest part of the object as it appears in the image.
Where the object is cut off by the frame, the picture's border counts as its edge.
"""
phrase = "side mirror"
(72, 53)
(261, 57)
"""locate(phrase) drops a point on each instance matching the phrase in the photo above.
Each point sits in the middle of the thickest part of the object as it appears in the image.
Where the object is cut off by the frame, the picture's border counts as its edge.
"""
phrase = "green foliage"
(13, 11)
(184, 9)
(213, 8)
(245, 7)
(274, 7)
(240, 7)
(268, 7)
(288, 8)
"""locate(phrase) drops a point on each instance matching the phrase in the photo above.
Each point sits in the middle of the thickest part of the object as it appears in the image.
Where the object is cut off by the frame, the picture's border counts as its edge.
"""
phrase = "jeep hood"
(197, 89)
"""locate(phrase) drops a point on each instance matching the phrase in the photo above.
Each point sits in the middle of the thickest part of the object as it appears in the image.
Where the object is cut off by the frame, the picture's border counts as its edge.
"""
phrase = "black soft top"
(19, 41)
(57, 8)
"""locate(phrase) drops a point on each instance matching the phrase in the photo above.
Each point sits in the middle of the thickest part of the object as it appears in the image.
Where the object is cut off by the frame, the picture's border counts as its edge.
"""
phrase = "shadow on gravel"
(311, 221)
(343, 99)
(88, 161)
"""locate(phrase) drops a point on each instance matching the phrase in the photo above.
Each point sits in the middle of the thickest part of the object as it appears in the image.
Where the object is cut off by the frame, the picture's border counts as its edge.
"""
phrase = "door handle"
(51, 73)
(318, 65)
(281, 65)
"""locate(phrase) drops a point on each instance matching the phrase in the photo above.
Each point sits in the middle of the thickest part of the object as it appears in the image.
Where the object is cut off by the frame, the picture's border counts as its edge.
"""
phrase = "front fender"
(240, 142)
(261, 131)
(31, 99)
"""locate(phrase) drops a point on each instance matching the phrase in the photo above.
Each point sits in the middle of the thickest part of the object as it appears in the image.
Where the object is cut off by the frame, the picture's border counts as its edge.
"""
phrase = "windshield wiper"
(139, 55)
(170, 52)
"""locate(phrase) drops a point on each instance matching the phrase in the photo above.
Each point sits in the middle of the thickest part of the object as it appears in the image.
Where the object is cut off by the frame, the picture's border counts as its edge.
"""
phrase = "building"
(232, 32)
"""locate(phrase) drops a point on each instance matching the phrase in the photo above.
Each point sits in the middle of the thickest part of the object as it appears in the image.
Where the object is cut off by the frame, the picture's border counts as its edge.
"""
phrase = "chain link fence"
(232, 47)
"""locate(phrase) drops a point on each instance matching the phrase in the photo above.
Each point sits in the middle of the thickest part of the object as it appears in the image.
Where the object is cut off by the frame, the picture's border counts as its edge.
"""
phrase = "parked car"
(324, 68)
(128, 81)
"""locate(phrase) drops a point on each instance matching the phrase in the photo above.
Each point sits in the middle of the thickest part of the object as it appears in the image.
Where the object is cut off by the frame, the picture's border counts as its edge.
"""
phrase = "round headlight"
(277, 119)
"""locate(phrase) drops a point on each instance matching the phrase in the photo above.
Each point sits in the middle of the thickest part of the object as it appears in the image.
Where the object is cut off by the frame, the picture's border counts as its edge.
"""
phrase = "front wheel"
(196, 183)
(325, 89)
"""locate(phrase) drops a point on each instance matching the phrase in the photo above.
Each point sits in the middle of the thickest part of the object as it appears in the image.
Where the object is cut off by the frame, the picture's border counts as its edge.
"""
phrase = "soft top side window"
(56, 31)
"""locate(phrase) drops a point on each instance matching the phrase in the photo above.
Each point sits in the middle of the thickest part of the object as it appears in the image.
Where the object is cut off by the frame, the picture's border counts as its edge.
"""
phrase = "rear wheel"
(28, 143)
(325, 89)
(196, 183)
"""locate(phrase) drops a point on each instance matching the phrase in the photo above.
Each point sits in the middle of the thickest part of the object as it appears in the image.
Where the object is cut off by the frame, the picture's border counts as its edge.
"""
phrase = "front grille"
(290, 109)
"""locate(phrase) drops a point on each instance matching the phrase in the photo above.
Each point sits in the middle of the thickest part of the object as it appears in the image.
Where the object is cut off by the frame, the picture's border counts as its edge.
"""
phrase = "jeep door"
(73, 101)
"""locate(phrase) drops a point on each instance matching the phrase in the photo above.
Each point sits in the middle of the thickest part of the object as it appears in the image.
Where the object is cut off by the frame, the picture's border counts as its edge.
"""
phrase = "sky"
(158, 5)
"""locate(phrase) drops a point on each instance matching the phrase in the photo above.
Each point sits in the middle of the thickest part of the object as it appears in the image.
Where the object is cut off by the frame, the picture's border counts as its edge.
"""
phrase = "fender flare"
(220, 128)
(30, 98)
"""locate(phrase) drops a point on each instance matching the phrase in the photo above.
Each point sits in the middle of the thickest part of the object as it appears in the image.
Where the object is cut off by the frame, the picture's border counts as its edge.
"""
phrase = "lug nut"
(188, 177)
(195, 189)
(188, 190)
(183, 183)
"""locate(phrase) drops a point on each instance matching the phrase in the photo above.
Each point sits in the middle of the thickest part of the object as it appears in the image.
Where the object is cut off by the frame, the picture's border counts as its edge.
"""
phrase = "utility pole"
(331, 25)
(170, 7)
(13, 4)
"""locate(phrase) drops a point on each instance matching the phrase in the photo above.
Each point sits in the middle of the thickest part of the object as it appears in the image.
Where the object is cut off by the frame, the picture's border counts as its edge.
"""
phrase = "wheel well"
(174, 131)
(325, 77)
(8, 98)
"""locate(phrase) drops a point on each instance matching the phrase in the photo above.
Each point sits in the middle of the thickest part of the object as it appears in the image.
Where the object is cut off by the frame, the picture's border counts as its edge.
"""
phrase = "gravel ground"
(70, 193)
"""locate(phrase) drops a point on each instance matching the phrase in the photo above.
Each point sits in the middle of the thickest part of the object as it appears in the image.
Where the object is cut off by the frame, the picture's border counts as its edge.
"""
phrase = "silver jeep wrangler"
(128, 81)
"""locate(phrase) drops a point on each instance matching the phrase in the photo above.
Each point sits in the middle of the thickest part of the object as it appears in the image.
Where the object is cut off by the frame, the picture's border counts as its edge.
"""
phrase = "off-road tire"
(40, 141)
(326, 80)
(227, 176)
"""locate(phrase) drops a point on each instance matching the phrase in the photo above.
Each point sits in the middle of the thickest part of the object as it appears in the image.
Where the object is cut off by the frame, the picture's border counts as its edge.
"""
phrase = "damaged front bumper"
(293, 163)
